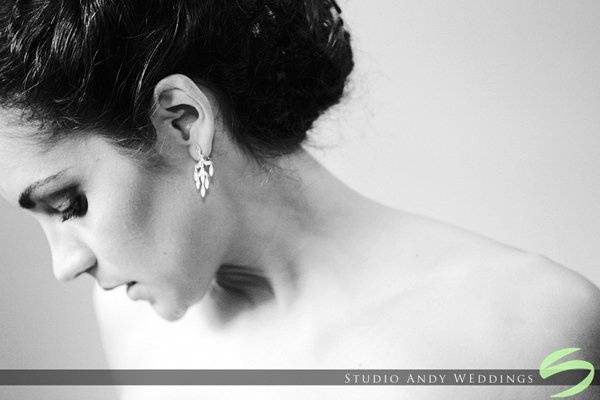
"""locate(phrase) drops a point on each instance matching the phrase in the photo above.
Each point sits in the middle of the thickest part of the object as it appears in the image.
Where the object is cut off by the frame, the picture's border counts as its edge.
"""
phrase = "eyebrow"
(25, 200)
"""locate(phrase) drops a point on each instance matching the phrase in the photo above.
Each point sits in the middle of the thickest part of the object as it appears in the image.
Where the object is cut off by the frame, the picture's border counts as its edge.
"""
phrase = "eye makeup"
(67, 202)
(74, 205)
(33, 191)
(36, 190)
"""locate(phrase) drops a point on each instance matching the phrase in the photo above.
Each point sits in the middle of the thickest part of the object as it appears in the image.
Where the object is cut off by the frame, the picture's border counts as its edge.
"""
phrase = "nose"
(70, 256)
(68, 267)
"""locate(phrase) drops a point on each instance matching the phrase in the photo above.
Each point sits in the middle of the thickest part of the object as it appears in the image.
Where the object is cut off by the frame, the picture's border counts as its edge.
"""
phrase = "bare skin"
(318, 275)
(390, 290)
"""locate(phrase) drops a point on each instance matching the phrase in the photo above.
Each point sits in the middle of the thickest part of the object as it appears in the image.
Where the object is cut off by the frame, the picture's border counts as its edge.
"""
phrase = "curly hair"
(275, 65)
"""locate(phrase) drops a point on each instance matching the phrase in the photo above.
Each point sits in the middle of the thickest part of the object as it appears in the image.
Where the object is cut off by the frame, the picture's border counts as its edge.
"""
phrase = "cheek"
(121, 221)
(184, 237)
(188, 240)
(153, 230)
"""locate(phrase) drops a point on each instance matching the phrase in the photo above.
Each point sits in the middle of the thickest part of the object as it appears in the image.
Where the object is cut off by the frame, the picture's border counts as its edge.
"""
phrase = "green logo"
(548, 369)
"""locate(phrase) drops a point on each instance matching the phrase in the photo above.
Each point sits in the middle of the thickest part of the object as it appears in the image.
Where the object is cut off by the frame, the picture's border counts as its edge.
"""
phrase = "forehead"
(23, 160)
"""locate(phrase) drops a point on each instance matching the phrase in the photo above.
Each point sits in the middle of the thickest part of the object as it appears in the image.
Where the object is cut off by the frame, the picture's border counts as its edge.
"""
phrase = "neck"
(286, 223)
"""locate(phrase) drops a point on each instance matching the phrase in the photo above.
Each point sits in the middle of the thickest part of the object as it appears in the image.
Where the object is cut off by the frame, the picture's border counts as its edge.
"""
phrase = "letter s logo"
(547, 369)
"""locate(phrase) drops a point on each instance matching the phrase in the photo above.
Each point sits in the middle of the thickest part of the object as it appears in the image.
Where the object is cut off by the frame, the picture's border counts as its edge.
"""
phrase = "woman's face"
(105, 214)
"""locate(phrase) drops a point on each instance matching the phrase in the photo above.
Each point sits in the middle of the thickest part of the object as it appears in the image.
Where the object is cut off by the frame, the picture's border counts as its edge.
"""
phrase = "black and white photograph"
(299, 199)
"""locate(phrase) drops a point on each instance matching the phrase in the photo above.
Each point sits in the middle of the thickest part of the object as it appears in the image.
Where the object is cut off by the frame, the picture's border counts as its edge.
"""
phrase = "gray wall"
(480, 113)
(484, 114)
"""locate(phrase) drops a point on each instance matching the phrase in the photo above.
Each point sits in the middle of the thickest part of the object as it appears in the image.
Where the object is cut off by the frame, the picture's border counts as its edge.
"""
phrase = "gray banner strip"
(93, 377)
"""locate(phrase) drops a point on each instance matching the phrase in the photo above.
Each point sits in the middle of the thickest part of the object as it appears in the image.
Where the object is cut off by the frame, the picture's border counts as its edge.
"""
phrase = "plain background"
(478, 113)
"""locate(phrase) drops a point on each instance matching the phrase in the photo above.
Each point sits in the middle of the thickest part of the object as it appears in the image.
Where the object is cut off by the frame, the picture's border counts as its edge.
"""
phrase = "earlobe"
(181, 109)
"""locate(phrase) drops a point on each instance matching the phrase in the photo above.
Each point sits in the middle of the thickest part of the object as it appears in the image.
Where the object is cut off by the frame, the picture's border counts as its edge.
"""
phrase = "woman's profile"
(160, 146)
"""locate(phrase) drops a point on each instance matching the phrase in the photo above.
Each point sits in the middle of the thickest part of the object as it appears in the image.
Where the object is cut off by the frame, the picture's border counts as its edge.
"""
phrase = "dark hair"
(76, 65)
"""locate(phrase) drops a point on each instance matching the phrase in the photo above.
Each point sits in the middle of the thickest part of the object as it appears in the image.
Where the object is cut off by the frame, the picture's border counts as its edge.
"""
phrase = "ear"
(182, 110)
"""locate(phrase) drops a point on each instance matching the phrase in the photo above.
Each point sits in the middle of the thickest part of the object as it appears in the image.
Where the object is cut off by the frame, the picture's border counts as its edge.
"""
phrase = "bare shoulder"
(512, 277)
(559, 308)
(473, 302)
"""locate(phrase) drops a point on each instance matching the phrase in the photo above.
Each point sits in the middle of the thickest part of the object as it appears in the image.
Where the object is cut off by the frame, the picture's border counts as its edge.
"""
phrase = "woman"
(159, 144)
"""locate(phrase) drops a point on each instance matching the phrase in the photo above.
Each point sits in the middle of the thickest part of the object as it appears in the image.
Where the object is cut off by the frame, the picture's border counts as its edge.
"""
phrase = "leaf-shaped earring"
(203, 171)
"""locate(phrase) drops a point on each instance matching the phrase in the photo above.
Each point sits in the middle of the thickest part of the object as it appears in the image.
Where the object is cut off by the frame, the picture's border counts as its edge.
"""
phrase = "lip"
(107, 288)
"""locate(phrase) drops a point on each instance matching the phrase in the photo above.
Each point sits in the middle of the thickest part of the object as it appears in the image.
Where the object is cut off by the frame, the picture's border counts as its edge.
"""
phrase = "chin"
(169, 313)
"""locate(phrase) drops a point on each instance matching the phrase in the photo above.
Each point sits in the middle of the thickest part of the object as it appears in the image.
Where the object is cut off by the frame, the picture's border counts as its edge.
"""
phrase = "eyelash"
(77, 208)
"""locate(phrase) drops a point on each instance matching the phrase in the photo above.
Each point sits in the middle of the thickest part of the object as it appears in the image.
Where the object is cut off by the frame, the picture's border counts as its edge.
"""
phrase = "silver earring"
(201, 174)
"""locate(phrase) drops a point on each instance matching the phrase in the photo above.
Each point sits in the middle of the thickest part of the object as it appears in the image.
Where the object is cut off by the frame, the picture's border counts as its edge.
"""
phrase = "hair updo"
(275, 65)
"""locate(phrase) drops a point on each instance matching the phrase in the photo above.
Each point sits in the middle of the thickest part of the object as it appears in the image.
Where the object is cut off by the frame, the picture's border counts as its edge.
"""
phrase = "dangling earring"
(201, 175)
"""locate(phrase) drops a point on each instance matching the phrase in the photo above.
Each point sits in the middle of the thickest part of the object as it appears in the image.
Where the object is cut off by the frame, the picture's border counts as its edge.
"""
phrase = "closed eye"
(75, 207)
